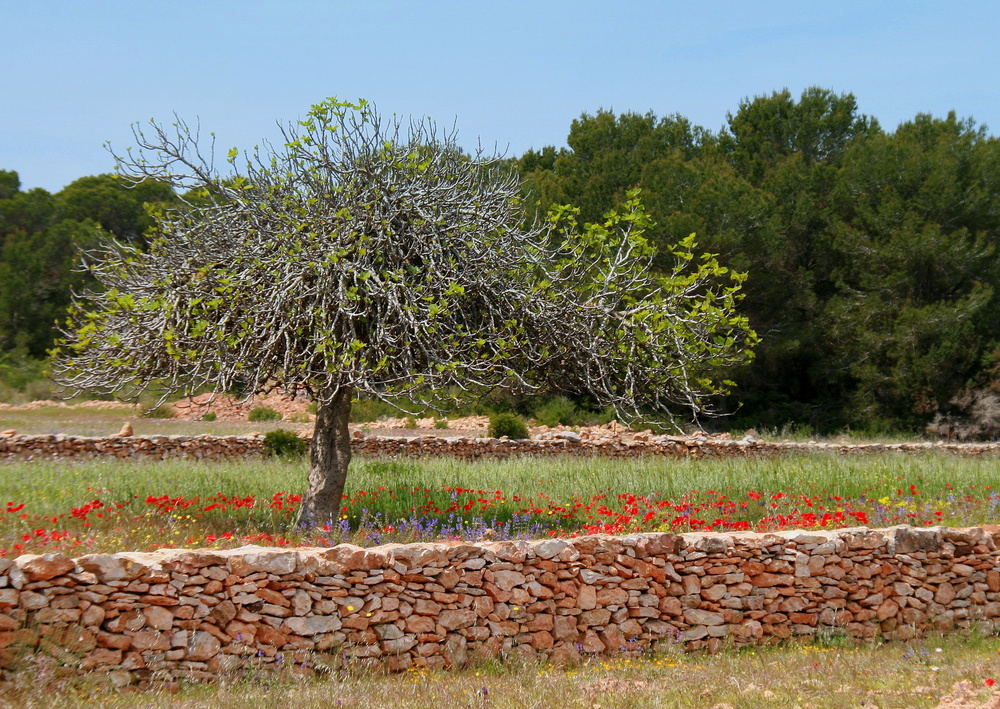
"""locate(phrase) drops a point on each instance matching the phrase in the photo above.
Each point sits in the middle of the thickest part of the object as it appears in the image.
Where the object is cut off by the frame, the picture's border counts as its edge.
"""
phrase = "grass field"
(109, 505)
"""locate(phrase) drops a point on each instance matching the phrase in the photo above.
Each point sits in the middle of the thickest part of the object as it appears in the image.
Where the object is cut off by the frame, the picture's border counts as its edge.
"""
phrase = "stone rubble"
(198, 614)
(227, 408)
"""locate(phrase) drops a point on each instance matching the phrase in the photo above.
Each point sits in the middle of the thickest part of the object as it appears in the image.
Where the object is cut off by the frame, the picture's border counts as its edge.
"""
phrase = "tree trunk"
(328, 460)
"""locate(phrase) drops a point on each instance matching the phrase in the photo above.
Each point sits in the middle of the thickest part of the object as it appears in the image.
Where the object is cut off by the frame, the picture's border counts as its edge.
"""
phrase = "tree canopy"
(370, 257)
(871, 255)
(42, 236)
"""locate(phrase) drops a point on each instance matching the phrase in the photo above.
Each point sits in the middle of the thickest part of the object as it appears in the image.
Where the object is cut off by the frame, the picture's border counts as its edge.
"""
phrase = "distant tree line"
(42, 237)
(872, 255)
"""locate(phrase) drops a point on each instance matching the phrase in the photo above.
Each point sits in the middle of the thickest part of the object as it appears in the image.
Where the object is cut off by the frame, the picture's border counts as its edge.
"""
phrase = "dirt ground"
(963, 697)
(100, 418)
(297, 410)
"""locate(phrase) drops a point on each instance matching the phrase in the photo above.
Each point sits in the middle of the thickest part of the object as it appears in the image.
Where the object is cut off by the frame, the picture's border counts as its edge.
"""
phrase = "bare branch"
(377, 257)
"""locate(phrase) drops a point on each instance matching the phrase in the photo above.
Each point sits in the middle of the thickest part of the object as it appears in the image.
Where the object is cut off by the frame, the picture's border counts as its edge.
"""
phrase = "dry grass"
(107, 422)
(892, 676)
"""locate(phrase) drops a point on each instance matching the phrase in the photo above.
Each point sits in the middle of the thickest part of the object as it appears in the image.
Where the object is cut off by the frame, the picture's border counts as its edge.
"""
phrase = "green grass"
(838, 474)
(47, 483)
(140, 505)
(263, 413)
(914, 675)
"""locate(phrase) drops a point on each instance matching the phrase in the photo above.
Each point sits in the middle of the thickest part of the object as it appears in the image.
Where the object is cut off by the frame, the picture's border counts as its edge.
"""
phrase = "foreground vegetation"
(109, 505)
(911, 675)
(78, 507)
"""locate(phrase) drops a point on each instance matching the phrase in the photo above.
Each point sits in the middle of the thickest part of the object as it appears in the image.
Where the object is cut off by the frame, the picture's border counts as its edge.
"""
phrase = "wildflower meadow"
(77, 507)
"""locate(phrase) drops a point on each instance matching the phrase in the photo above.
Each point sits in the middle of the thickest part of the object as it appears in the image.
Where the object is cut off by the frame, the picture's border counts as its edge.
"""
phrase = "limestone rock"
(44, 567)
(199, 613)
(313, 625)
(253, 559)
(202, 646)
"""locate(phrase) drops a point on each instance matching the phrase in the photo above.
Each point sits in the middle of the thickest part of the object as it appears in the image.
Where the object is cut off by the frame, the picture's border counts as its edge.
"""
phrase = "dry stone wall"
(196, 614)
(20, 447)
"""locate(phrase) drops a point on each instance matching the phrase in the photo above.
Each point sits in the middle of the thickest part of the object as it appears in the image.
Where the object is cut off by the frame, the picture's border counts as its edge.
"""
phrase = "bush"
(443, 423)
(559, 411)
(163, 411)
(264, 413)
(210, 416)
(366, 410)
(23, 379)
(281, 443)
(508, 425)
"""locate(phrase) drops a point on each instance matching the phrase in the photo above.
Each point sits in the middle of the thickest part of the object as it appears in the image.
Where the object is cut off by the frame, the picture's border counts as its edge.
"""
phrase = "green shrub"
(17, 369)
(163, 411)
(210, 416)
(604, 417)
(264, 413)
(366, 410)
(443, 423)
(508, 425)
(281, 443)
(411, 422)
(558, 411)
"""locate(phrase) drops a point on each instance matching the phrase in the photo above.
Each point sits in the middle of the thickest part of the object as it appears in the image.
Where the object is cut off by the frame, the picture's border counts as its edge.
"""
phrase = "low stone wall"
(696, 447)
(20, 447)
(196, 614)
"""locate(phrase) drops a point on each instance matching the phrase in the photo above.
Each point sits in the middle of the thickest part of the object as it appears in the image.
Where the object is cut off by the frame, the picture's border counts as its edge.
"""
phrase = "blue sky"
(513, 75)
